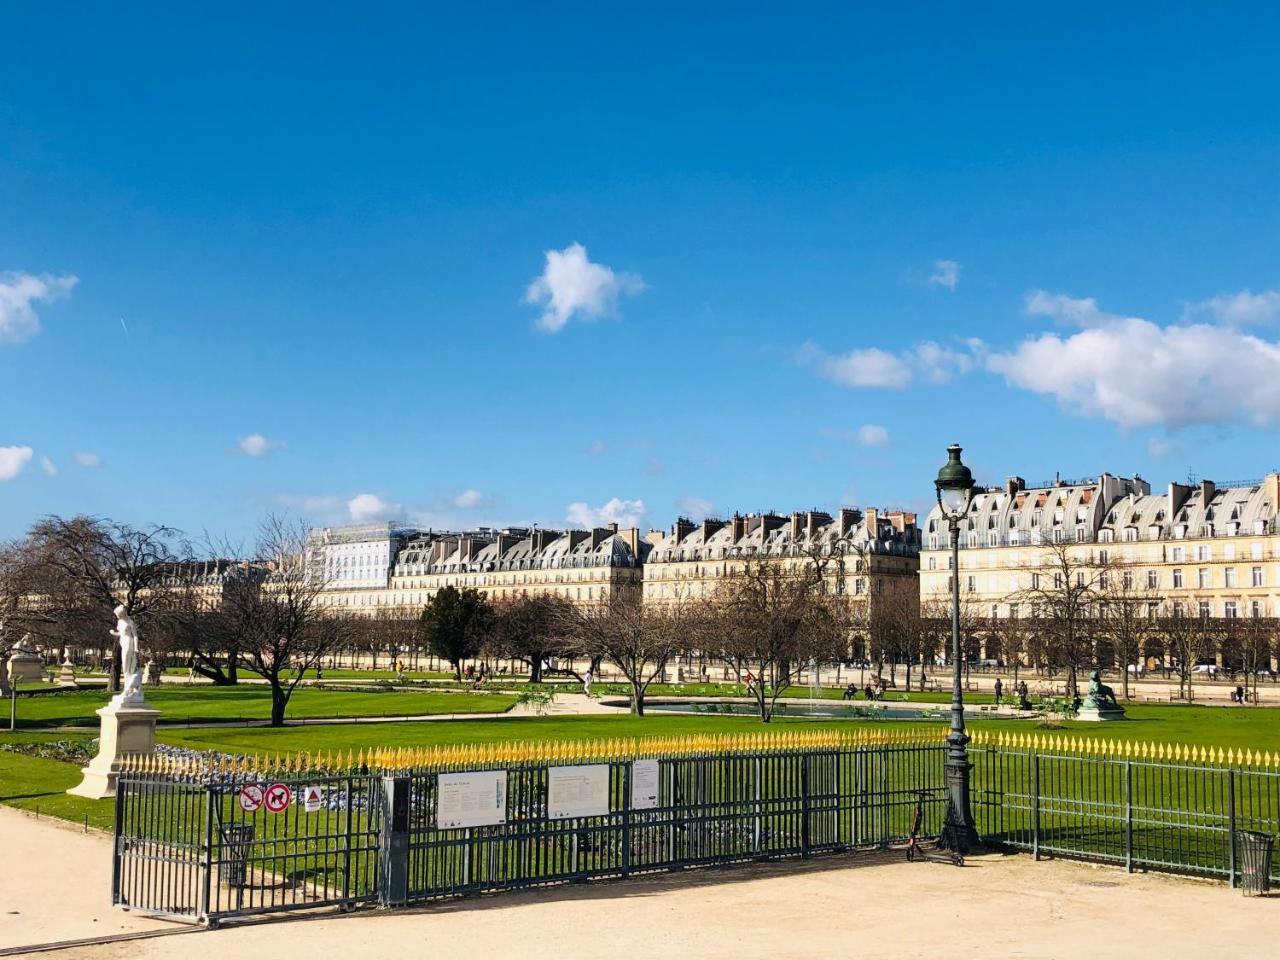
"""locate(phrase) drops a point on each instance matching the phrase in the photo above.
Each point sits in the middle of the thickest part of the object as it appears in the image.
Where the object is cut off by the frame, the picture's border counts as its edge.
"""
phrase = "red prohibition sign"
(278, 797)
(250, 797)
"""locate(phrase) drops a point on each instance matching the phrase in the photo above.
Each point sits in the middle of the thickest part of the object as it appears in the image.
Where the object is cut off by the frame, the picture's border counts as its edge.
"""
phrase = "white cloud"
(872, 435)
(571, 284)
(1135, 373)
(370, 506)
(48, 467)
(1158, 447)
(873, 367)
(869, 367)
(946, 273)
(1243, 309)
(469, 499)
(625, 513)
(311, 503)
(256, 445)
(597, 447)
(18, 291)
(87, 458)
(696, 507)
(1075, 311)
(13, 460)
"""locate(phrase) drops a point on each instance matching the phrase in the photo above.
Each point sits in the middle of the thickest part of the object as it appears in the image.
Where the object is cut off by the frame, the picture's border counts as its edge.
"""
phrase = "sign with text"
(644, 784)
(581, 791)
(312, 799)
(474, 799)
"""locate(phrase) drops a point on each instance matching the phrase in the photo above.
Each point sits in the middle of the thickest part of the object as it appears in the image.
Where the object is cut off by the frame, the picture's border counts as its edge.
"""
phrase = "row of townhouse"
(383, 567)
(1197, 547)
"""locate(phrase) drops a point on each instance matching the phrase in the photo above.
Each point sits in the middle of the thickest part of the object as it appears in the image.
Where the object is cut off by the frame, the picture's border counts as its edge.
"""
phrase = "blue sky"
(577, 265)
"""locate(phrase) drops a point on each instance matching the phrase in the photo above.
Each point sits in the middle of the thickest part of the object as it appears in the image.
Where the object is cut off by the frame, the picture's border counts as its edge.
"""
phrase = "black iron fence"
(216, 838)
(1143, 806)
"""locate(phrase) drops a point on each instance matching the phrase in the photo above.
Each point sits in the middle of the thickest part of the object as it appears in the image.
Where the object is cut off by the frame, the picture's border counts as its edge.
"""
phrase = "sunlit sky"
(572, 265)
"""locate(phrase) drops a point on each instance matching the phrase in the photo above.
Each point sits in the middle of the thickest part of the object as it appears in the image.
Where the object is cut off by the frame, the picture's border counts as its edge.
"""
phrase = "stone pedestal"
(25, 665)
(1094, 710)
(127, 728)
(67, 675)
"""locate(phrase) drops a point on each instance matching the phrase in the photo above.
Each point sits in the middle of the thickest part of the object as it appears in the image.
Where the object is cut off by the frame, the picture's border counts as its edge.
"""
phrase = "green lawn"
(1257, 728)
(180, 705)
(35, 783)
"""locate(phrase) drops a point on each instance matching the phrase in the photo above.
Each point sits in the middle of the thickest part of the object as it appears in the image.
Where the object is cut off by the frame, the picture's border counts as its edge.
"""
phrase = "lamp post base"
(958, 831)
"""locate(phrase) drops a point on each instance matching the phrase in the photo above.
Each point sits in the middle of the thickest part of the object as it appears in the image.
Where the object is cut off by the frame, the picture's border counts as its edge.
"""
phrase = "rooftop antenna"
(1192, 477)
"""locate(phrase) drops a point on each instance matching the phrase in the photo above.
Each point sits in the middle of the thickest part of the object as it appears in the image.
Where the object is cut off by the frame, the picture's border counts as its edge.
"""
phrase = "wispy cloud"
(597, 447)
(469, 500)
(571, 285)
(872, 435)
(946, 273)
(696, 507)
(18, 292)
(364, 507)
(87, 458)
(625, 513)
(256, 445)
(873, 367)
(48, 467)
(13, 460)
(1242, 309)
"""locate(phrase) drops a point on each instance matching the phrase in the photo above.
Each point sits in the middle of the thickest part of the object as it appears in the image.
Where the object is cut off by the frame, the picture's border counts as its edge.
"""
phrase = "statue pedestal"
(127, 728)
(1091, 710)
(67, 675)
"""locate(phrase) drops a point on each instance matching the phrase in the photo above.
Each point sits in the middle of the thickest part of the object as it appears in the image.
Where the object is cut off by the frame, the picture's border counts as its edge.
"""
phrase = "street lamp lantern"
(954, 484)
(954, 487)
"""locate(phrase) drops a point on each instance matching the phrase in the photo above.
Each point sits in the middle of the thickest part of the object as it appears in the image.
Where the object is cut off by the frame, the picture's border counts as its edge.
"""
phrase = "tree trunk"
(637, 700)
(279, 700)
(535, 669)
(1125, 685)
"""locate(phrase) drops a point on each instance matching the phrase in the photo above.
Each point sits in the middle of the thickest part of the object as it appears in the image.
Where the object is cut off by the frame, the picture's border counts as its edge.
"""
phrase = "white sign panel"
(312, 799)
(578, 791)
(474, 799)
(644, 784)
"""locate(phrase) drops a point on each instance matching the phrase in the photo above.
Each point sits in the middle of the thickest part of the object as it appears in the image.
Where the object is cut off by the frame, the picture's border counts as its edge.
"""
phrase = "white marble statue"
(130, 671)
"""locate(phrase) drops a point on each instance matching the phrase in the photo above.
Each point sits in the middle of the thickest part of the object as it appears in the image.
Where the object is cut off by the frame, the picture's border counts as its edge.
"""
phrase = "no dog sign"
(278, 798)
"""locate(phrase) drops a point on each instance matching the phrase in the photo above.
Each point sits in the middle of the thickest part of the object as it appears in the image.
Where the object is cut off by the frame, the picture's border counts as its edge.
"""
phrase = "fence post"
(206, 861)
(393, 841)
(804, 805)
(1035, 806)
(1231, 826)
(346, 853)
(1128, 816)
(117, 845)
(626, 817)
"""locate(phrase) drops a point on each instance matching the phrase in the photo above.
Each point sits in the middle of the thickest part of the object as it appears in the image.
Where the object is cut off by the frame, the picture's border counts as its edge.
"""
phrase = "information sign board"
(476, 798)
(644, 784)
(580, 791)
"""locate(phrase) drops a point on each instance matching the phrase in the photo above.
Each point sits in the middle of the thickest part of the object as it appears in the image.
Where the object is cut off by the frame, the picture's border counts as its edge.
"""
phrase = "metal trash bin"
(1255, 861)
(234, 855)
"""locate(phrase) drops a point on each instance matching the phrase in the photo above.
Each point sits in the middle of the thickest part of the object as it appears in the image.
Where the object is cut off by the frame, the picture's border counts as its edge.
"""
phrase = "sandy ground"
(55, 880)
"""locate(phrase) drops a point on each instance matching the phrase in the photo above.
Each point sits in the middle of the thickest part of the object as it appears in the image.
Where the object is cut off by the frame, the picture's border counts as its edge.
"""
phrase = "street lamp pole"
(954, 487)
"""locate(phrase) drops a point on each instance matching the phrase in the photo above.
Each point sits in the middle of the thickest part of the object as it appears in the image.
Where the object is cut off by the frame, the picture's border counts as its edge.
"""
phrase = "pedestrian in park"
(999, 691)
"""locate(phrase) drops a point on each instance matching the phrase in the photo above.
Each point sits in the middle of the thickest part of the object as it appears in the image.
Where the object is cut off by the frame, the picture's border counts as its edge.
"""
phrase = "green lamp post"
(954, 488)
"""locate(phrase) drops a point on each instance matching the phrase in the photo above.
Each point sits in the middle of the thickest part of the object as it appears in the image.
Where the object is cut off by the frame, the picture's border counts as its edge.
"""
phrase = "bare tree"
(639, 639)
(1127, 613)
(274, 605)
(107, 563)
(774, 617)
(1249, 641)
(1065, 590)
(1188, 635)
